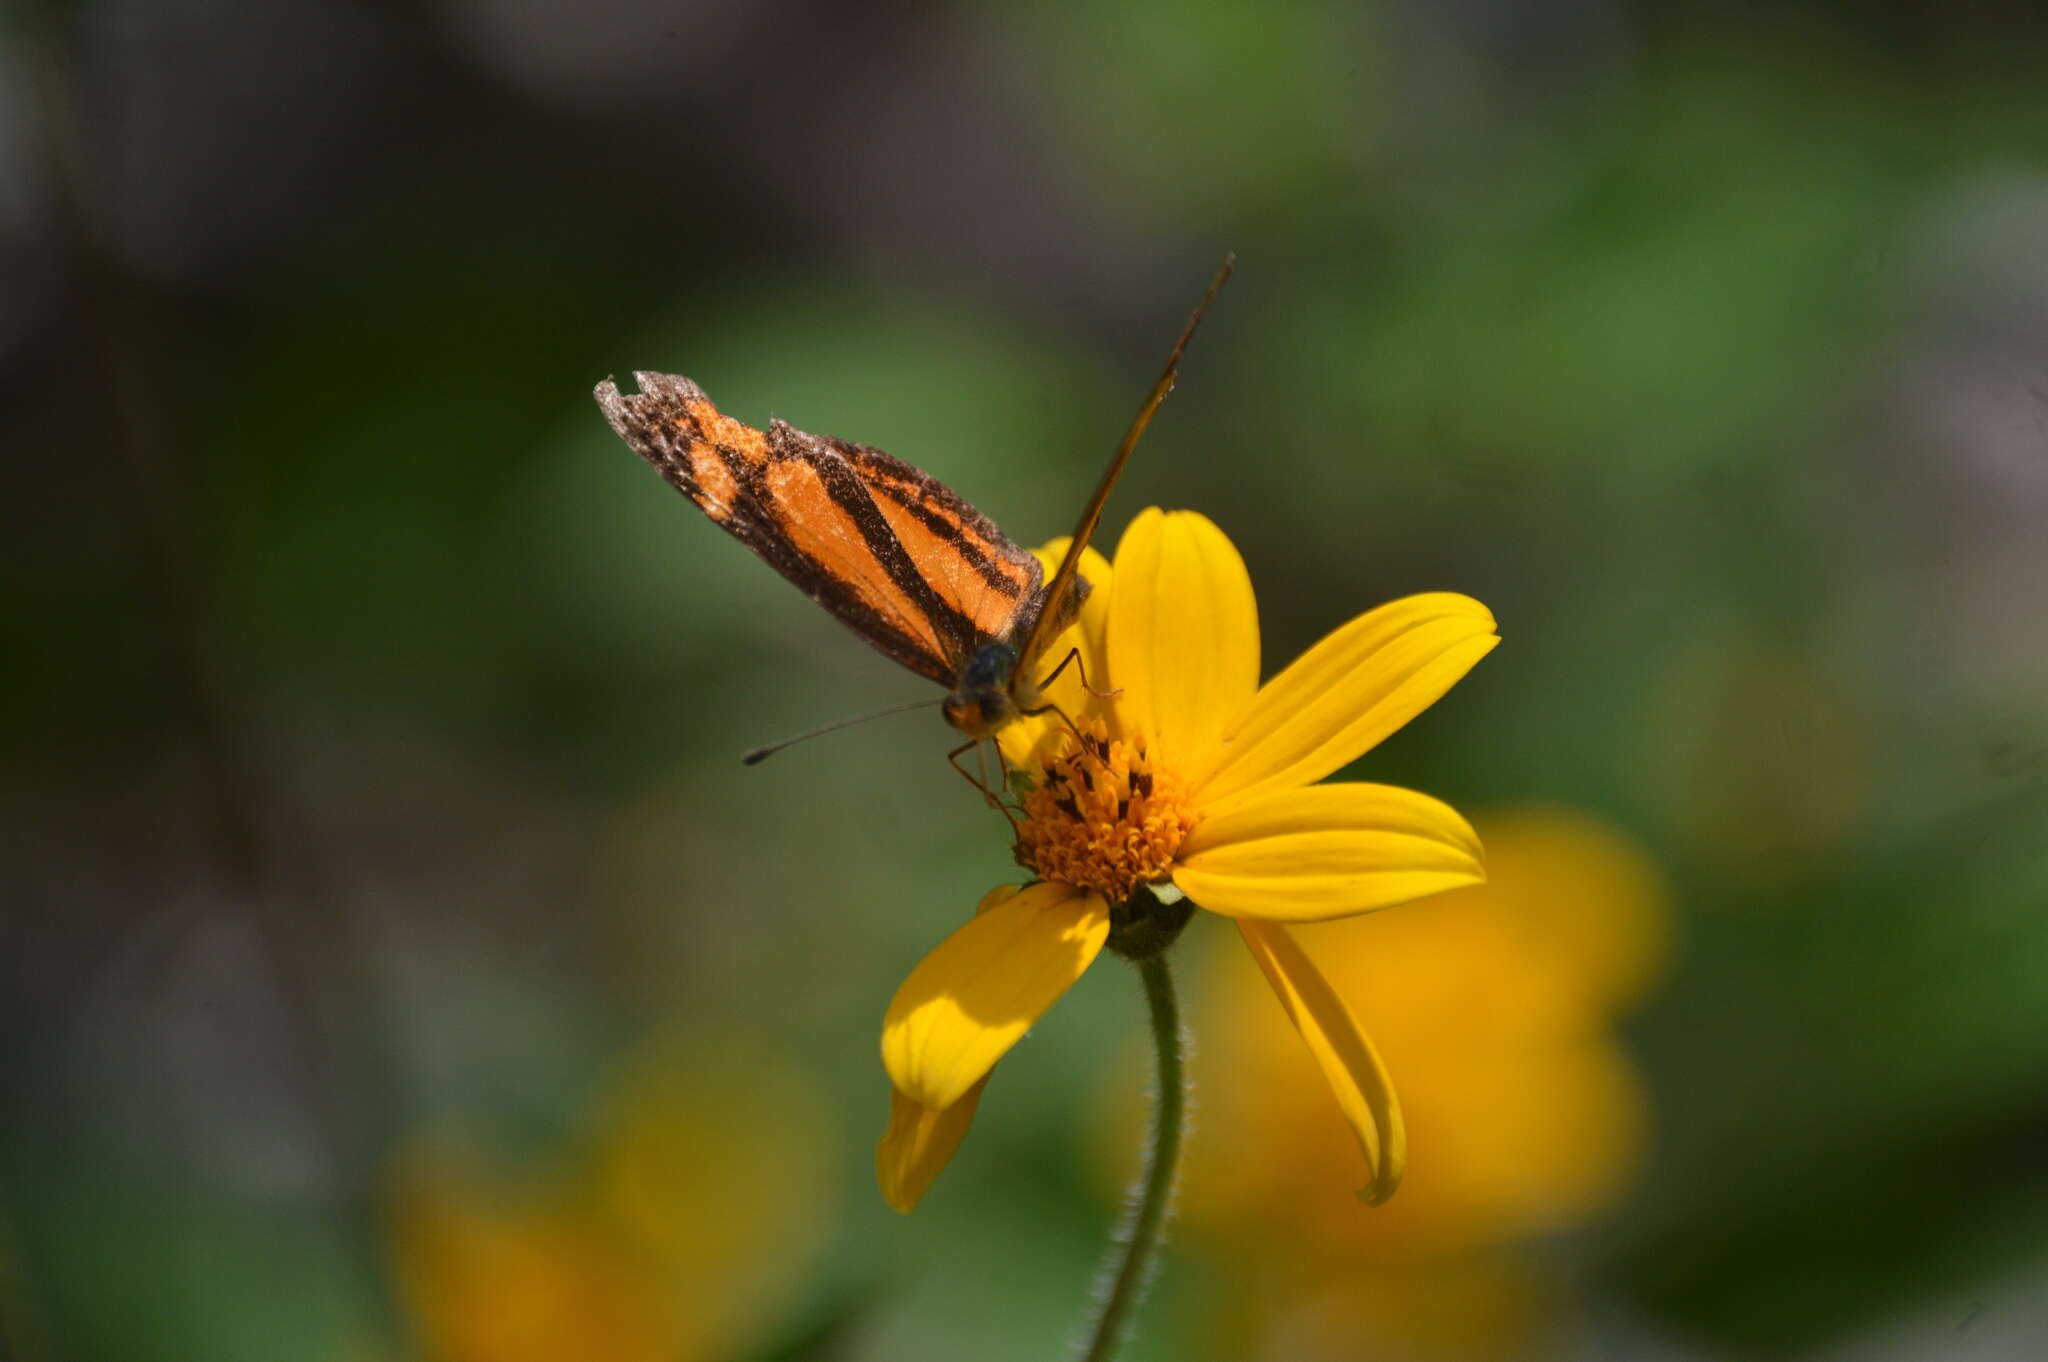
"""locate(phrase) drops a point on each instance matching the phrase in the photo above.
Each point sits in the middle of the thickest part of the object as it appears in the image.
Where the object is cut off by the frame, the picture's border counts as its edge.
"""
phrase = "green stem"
(1169, 1121)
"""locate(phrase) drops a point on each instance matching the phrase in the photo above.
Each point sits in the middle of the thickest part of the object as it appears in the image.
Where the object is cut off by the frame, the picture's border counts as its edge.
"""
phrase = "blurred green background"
(396, 962)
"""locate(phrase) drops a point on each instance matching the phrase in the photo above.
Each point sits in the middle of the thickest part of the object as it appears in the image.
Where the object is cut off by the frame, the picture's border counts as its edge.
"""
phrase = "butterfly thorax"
(982, 701)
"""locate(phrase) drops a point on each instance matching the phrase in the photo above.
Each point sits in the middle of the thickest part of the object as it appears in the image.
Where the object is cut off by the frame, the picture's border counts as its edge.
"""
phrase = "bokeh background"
(397, 963)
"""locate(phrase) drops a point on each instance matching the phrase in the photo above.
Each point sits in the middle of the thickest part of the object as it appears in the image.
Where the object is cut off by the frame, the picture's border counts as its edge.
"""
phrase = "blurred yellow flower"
(1498, 1003)
(682, 1219)
(1170, 776)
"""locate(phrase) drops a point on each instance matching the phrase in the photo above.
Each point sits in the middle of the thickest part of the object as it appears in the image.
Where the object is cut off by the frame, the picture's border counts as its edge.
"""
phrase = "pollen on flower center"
(1102, 816)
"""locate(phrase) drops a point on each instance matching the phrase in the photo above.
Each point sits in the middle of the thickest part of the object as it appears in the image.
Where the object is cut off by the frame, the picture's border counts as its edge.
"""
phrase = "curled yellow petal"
(974, 997)
(1183, 636)
(1356, 1077)
(1348, 692)
(919, 1144)
(1327, 851)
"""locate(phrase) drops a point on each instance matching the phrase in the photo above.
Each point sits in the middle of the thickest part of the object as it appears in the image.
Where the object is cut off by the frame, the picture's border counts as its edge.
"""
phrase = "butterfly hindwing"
(898, 557)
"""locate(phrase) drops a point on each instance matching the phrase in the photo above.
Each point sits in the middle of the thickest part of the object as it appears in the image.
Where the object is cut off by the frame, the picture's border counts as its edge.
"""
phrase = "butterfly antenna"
(1070, 565)
(760, 754)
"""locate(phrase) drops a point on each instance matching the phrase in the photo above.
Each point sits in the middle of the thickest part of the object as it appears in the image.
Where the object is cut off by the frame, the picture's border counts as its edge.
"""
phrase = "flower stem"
(1148, 1217)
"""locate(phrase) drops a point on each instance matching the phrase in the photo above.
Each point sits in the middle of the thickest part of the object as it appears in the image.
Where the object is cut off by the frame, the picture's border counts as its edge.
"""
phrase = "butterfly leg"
(1052, 708)
(953, 760)
(980, 782)
(1074, 656)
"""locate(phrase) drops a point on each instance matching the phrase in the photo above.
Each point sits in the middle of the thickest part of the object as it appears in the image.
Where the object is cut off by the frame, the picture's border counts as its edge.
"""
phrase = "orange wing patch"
(717, 487)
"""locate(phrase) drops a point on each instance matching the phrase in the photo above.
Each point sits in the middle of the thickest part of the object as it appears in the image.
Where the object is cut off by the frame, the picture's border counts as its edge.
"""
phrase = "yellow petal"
(1183, 636)
(919, 1144)
(920, 1140)
(1348, 692)
(1091, 626)
(1326, 851)
(1074, 691)
(1355, 1074)
(974, 997)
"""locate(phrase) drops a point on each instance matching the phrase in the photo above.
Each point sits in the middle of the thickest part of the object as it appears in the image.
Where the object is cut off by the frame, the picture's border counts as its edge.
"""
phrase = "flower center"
(1103, 817)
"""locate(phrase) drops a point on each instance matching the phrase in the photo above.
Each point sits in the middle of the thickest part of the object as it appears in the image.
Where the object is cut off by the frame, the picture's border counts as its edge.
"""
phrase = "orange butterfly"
(896, 555)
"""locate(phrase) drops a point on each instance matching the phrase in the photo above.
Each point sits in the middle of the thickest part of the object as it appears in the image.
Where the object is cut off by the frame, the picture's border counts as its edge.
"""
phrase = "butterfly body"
(982, 701)
(894, 554)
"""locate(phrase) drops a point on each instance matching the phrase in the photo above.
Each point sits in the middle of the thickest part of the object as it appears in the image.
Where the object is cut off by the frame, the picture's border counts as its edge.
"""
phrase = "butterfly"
(889, 550)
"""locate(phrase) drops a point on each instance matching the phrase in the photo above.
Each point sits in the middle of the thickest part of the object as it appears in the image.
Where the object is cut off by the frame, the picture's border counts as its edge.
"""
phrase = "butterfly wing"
(896, 556)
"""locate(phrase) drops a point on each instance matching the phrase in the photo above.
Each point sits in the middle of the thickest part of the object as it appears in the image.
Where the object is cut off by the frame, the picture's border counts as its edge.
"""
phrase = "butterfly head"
(981, 704)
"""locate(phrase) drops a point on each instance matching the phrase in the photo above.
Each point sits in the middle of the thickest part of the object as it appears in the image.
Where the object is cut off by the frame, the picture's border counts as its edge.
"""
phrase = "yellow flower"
(1499, 1002)
(1184, 782)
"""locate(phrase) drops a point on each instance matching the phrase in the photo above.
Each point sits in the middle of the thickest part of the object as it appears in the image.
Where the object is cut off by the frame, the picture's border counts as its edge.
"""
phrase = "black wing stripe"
(984, 566)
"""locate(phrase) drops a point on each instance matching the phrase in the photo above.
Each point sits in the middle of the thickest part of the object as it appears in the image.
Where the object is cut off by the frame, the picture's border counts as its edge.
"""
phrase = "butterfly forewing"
(899, 558)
